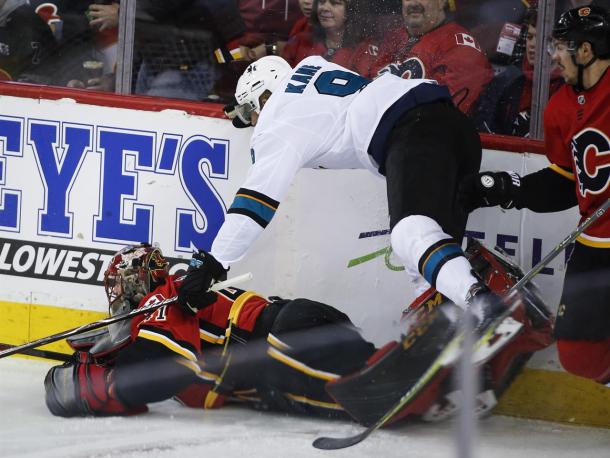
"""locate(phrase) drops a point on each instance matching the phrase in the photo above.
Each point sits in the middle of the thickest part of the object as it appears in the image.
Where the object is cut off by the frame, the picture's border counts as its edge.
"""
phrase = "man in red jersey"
(429, 45)
(577, 136)
(273, 354)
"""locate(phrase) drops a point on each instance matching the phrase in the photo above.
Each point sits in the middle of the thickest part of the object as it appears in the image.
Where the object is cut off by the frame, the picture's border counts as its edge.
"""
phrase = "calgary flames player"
(577, 137)
(206, 348)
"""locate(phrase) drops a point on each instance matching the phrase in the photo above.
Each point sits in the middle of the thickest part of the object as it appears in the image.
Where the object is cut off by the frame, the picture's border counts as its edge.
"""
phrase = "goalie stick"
(449, 354)
(47, 354)
(113, 319)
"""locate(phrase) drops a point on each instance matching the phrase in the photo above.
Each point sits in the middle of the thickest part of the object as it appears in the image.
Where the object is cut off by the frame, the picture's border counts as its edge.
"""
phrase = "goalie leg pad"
(82, 388)
(369, 393)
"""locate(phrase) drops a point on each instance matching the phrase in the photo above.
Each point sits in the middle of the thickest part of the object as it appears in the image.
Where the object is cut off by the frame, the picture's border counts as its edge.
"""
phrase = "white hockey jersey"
(322, 115)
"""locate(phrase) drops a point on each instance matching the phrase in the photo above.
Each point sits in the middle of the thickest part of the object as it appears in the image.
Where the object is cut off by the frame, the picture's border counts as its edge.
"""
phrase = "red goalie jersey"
(577, 136)
(448, 54)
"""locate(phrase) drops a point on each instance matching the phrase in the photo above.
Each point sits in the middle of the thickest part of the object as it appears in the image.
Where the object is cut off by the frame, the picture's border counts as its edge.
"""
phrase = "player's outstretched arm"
(548, 190)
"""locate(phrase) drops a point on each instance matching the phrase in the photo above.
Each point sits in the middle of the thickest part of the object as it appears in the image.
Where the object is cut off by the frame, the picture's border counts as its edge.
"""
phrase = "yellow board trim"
(556, 396)
(22, 323)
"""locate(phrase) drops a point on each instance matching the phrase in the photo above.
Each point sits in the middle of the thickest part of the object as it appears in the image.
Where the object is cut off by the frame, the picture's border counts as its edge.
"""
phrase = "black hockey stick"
(113, 319)
(335, 443)
(47, 354)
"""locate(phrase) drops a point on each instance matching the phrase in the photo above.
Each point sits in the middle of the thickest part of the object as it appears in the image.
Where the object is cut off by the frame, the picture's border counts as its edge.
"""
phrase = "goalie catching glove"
(204, 270)
(488, 189)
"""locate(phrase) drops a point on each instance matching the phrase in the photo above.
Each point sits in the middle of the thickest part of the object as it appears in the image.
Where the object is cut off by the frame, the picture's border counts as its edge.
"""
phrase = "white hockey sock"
(424, 248)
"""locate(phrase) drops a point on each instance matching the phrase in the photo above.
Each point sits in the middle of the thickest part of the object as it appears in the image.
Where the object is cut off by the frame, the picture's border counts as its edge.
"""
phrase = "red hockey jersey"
(231, 318)
(448, 54)
(577, 138)
(234, 309)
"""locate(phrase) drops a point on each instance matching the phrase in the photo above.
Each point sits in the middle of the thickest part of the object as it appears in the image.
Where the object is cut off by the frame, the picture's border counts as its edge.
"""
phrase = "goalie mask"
(133, 272)
(263, 75)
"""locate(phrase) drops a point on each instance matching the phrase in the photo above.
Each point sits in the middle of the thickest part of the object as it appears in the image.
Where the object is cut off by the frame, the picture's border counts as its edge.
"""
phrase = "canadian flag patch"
(466, 40)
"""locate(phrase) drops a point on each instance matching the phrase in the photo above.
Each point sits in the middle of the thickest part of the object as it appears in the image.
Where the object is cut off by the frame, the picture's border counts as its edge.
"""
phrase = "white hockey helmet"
(263, 75)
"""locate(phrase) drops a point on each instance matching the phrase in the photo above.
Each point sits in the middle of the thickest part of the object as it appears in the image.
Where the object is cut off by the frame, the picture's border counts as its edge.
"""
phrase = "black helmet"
(587, 23)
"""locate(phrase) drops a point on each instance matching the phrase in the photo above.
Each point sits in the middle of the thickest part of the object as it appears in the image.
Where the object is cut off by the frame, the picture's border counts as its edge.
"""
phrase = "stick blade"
(337, 443)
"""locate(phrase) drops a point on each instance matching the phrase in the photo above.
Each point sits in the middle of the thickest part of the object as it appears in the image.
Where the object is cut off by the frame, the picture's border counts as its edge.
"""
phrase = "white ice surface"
(170, 430)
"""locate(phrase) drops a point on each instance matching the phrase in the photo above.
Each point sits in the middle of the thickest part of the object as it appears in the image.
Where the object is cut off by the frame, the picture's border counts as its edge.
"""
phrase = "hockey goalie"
(297, 356)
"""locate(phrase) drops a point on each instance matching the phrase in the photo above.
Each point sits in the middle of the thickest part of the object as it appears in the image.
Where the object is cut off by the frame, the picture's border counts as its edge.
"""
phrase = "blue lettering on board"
(11, 131)
(121, 216)
(202, 159)
(59, 158)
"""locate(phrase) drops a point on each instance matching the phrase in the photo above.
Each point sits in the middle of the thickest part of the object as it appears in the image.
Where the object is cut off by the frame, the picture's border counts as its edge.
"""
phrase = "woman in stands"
(337, 29)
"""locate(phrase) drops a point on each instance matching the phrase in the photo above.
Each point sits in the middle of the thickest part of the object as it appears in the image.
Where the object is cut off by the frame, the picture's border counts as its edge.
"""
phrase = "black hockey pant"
(428, 152)
(309, 344)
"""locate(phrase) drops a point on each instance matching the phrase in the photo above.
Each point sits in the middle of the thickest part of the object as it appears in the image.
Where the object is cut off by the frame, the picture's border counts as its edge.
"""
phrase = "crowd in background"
(483, 50)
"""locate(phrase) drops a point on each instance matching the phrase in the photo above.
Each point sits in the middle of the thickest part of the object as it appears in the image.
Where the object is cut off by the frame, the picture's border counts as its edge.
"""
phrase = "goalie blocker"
(391, 372)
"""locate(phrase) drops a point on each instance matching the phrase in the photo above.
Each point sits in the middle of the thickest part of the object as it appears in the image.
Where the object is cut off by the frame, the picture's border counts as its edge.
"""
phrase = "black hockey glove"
(488, 189)
(203, 272)
(231, 113)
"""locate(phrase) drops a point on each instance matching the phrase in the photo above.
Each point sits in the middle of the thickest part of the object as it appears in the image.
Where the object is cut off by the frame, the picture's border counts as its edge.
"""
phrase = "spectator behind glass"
(303, 24)
(26, 43)
(86, 31)
(495, 26)
(181, 44)
(505, 105)
(337, 28)
(268, 25)
(430, 45)
(98, 73)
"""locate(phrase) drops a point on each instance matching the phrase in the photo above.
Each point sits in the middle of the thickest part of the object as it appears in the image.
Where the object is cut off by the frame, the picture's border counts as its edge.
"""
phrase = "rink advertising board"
(80, 180)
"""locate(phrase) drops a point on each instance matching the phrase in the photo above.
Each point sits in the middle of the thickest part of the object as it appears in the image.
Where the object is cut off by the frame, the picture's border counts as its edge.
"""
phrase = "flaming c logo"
(584, 12)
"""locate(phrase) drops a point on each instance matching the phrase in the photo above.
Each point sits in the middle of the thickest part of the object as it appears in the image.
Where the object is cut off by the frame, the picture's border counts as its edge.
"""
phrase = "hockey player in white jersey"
(321, 115)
